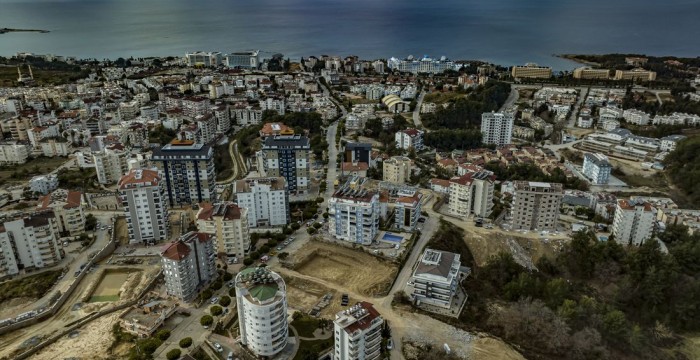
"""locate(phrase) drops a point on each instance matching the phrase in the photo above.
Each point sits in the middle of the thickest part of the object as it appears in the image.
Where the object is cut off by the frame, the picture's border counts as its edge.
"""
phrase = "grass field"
(441, 98)
(305, 325)
(37, 166)
(34, 286)
(8, 76)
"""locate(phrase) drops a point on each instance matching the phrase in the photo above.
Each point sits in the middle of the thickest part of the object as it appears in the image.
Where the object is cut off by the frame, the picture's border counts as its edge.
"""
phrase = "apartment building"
(354, 214)
(287, 156)
(635, 74)
(66, 206)
(358, 152)
(596, 168)
(636, 117)
(497, 128)
(266, 199)
(223, 118)
(43, 184)
(423, 65)
(669, 143)
(201, 58)
(229, 224)
(531, 71)
(29, 242)
(536, 205)
(358, 333)
(397, 169)
(192, 106)
(471, 193)
(142, 193)
(189, 263)
(409, 138)
(435, 278)
(261, 298)
(407, 209)
(188, 171)
(14, 153)
(243, 59)
(589, 73)
(111, 163)
(633, 223)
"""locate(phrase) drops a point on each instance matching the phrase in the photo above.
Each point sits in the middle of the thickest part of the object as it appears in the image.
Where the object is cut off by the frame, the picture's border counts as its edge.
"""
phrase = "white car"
(218, 347)
(214, 300)
(390, 344)
(230, 355)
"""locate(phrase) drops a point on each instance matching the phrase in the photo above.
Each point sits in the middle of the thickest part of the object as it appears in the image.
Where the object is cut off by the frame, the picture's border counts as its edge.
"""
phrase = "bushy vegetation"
(530, 172)
(595, 300)
(185, 342)
(466, 112)
(81, 179)
(33, 286)
(683, 168)
(450, 237)
(450, 139)
(161, 135)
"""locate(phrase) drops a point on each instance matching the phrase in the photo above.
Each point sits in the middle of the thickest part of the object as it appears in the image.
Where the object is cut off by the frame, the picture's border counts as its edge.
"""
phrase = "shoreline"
(8, 30)
(574, 58)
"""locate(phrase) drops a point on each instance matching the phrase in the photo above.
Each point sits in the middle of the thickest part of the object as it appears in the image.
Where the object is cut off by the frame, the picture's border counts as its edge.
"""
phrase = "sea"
(505, 32)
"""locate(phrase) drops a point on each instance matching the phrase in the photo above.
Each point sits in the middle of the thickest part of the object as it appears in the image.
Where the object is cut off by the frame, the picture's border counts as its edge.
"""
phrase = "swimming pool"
(392, 238)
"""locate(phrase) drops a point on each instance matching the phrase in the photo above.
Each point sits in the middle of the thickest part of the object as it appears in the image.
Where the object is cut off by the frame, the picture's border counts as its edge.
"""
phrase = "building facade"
(142, 193)
(536, 205)
(358, 333)
(354, 215)
(261, 297)
(229, 224)
(29, 242)
(409, 138)
(397, 169)
(188, 264)
(266, 199)
(407, 210)
(110, 164)
(497, 128)
(287, 156)
(188, 171)
(471, 193)
(633, 223)
(531, 71)
(436, 278)
(66, 206)
(597, 168)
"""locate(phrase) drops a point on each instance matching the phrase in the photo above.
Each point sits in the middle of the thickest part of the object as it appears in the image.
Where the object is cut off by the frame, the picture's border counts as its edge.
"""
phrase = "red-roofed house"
(405, 139)
(67, 207)
(355, 169)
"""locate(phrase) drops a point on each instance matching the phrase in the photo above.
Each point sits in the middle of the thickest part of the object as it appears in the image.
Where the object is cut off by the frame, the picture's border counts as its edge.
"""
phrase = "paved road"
(512, 98)
(416, 112)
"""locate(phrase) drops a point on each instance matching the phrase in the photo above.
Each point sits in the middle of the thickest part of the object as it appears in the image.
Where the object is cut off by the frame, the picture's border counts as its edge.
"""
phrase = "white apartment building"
(273, 104)
(188, 263)
(229, 223)
(397, 169)
(110, 164)
(247, 115)
(636, 117)
(608, 124)
(497, 128)
(471, 193)
(435, 278)
(29, 242)
(14, 153)
(596, 168)
(358, 333)
(142, 194)
(536, 205)
(261, 298)
(66, 206)
(223, 118)
(243, 59)
(423, 65)
(668, 143)
(354, 215)
(405, 139)
(266, 199)
(677, 119)
(206, 124)
(407, 209)
(201, 58)
(43, 184)
(633, 222)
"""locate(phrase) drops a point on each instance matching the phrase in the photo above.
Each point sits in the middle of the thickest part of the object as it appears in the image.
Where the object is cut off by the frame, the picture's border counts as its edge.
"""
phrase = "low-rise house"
(144, 320)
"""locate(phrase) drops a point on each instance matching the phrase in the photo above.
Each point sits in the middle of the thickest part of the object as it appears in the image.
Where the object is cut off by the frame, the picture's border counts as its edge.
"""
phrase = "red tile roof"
(139, 176)
(440, 182)
(176, 250)
(364, 322)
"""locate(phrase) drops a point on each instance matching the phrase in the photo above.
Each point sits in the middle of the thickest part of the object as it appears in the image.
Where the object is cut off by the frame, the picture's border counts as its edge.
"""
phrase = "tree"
(283, 255)
(206, 294)
(206, 320)
(216, 310)
(90, 222)
(295, 226)
(232, 292)
(173, 354)
(163, 334)
(228, 276)
(248, 261)
(185, 342)
(615, 324)
(225, 301)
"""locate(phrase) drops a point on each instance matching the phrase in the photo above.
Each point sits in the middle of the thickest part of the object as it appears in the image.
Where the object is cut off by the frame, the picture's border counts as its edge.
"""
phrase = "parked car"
(390, 344)
(230, 355)
(214, 300)
(218, 347)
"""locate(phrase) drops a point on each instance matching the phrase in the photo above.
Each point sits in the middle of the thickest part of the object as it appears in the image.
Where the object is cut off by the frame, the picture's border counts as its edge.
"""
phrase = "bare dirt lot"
(355, 270)
(95, 339)
(303, 295)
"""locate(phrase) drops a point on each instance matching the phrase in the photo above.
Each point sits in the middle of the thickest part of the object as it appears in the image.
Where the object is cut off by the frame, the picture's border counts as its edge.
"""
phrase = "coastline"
(574, 58)
(8, 30)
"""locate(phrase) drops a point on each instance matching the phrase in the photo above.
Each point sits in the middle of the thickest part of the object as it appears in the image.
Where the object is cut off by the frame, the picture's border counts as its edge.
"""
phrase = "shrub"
(232, 292)
(185, 342)
(248, 261)
(264, 249)
(217, 285)
(216, 310)
(225, 301)
(295, 226)
(283, 255)
(228, 276)
(163, 334)
(206, 320)
(173, 354)
(206, 294)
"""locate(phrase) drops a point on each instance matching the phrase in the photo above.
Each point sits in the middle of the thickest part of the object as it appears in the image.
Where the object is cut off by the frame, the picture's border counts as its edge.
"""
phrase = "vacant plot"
(94, 338)
(355, 270)
(109, 287)
(37, 166)
(304, 295)
(34, 286)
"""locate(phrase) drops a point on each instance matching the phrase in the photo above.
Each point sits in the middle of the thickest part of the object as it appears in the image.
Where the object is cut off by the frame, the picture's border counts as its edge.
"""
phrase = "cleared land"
(37, 166)
(352, 269)
(33, 286)
(442, 97)
(303, 295)
(109, 287)
(94, 338)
